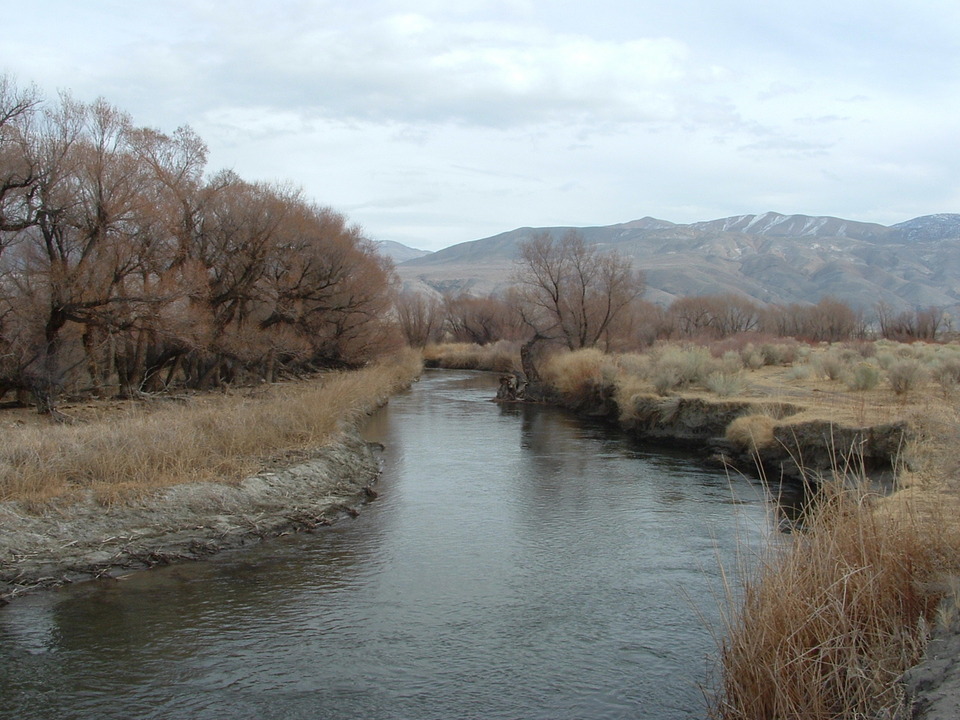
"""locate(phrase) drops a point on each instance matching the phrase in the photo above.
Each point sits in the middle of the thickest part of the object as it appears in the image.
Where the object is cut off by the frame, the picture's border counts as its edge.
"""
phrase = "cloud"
(408, 67)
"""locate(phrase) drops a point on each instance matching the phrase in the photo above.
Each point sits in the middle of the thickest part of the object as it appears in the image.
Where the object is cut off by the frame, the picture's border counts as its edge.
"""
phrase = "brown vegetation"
(125, 449)
(124, 268)
(826, 627)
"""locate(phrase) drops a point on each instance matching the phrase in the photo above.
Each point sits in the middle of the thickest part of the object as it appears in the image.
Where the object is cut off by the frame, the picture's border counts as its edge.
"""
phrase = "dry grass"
(577, 373)
(218, 438)
(751, 432)
(826, 628)
(500, 356)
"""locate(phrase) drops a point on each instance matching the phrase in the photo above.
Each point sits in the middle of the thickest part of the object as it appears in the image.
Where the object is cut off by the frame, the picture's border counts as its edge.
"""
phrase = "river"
(518, 564)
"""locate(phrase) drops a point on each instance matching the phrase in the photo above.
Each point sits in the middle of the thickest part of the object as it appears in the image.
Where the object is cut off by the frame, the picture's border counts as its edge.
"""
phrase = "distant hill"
(398, 252)
(771, 258)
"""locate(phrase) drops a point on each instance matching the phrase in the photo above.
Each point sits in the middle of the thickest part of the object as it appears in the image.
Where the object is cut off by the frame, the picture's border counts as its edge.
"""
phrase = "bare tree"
(480, 320)
(420, 316)
(571, 292)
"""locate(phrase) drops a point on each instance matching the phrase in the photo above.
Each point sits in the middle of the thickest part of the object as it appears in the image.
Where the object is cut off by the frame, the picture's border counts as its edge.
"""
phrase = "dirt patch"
(83, 539)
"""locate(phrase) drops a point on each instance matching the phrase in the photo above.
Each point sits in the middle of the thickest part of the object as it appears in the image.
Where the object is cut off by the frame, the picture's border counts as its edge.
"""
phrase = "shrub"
(677, 366)
(905, 376)
(831, 365)
(864, 377)
(731, 362)
(754, 360)
(725, 384)
(780, 353)
(946, 372)
(666, 378)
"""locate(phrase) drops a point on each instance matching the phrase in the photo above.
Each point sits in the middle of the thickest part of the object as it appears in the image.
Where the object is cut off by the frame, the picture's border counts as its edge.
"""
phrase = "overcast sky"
(433, 122)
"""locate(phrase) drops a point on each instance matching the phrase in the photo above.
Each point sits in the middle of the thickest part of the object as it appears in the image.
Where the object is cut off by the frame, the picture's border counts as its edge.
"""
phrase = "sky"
(434, 122)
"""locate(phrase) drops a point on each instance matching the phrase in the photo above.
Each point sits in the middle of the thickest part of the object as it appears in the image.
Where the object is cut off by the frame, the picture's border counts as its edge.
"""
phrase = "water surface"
(518, 564)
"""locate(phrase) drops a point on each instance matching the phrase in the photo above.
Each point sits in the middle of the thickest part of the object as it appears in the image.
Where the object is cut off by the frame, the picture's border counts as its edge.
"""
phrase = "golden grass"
(218, 438)
(826, 627)
(500, 356)
(751, 432)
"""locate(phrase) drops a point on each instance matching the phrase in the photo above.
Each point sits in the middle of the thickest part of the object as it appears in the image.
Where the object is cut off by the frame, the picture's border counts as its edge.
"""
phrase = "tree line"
(123, 260)
(126, 264)
(567, 293)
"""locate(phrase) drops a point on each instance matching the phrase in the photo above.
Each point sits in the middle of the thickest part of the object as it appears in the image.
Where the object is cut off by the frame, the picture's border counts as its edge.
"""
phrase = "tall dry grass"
(826, 627)
(213, 438)
(501, 356)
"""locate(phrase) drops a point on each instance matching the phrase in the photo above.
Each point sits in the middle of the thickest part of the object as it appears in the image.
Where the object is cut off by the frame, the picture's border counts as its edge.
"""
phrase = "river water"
(518, 564)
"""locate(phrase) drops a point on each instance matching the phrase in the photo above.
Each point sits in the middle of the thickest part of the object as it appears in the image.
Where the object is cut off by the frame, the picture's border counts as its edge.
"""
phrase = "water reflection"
(518, 564)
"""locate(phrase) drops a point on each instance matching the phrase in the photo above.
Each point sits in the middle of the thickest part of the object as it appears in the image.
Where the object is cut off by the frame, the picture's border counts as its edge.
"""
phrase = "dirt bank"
(85, 539)
(798, 447)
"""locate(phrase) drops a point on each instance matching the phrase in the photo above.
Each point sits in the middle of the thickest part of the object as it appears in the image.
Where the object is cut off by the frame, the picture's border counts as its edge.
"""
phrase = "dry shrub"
(725, 384)
(946, 371)
(832, 365)
(863, 377)
(750, 432)
(675, 366)
(826, 627)
(906, 376)
(782, 352)
(216, 439)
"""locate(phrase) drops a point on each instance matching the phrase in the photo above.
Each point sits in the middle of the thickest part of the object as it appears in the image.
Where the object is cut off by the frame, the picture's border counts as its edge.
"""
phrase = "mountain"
(398, 252)
(772, 258)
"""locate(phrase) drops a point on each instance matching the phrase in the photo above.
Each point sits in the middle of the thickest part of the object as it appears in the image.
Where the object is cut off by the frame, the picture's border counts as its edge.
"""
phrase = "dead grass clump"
(217, 438)
(577, 374)
(751, 432)
(826, 627)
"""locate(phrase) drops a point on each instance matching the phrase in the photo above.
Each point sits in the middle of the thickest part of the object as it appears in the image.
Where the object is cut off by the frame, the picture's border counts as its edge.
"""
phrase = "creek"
(519, 564)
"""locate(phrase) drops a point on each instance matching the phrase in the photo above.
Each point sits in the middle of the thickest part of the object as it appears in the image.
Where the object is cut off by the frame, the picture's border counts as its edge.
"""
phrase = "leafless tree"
(571, 292)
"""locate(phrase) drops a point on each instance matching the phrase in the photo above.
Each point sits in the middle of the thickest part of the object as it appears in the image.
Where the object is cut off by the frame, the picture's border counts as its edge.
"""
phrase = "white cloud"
(432, 122)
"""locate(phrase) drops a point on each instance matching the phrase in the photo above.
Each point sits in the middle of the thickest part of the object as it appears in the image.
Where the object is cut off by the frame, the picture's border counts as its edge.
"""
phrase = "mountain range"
(771, 258)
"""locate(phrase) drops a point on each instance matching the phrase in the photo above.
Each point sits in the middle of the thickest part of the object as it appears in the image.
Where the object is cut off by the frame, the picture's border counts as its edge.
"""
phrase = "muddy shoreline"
(84, 539)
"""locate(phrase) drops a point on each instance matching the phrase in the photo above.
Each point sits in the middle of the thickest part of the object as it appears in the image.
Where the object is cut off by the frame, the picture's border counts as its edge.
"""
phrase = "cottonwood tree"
(829, 320)
(716, 315)
(570, 292)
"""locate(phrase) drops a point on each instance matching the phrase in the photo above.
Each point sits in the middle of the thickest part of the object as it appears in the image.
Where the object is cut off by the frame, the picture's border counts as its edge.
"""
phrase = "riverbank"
(830, 627)
(132, 485)
(80, 539)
